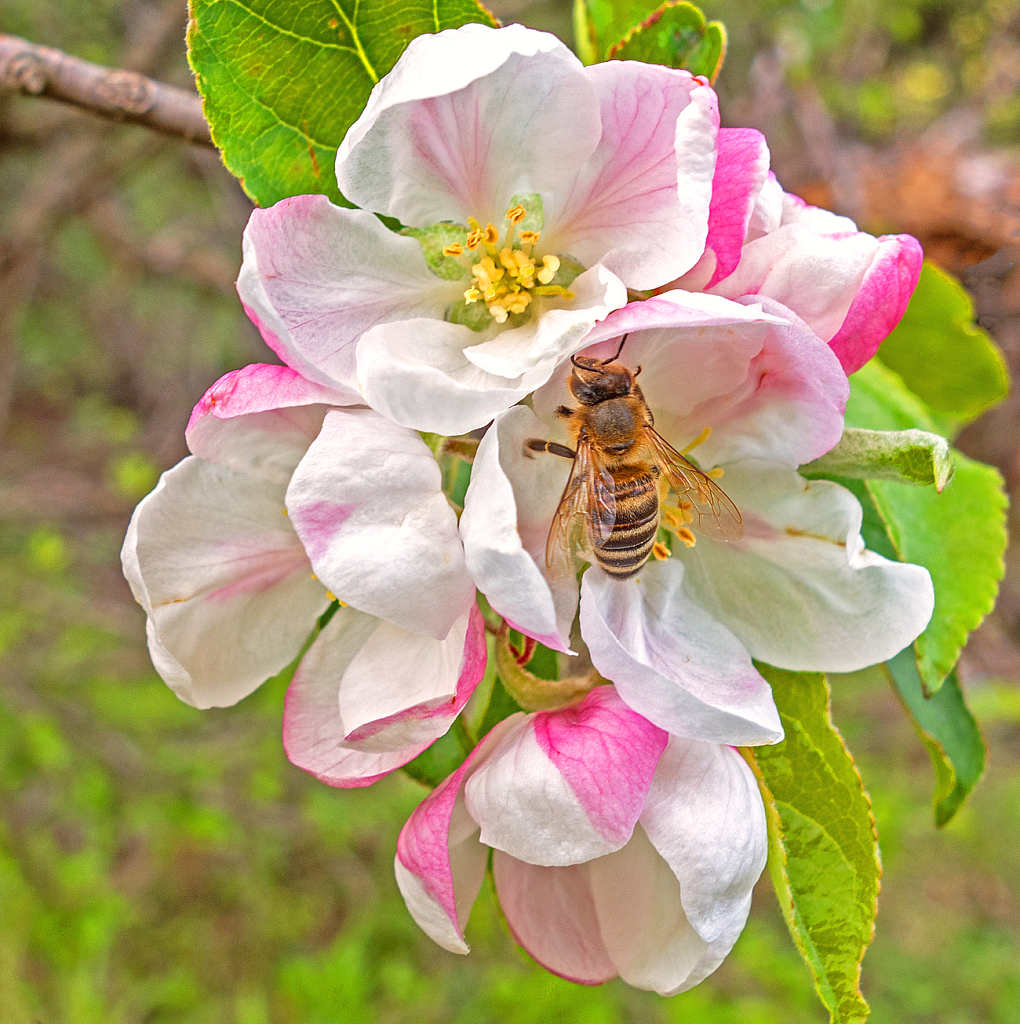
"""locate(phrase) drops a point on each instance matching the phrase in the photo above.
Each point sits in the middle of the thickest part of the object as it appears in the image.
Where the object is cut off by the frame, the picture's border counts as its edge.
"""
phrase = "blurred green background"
(160, 864)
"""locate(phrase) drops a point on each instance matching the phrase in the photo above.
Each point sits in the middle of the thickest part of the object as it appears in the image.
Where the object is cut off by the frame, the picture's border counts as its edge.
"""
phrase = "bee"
(619, 461)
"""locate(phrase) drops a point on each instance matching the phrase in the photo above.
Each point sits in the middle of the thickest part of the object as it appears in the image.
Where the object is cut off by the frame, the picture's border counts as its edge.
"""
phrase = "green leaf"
(674, 33)
(677, 36)
(942, 355)
(443, 758)
(823, 850)
(283, 80)
(907, 456)
(959, 536)
(823, 853)
(948, 731)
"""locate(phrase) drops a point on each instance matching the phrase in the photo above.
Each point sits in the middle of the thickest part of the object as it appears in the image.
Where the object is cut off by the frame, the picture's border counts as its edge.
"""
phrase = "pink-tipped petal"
(367, 503)
(566, 786)
(639, 205)
(671, 661)
(260, 420)
(705, 817)
(741, 168)
(467, 119)
(316, 277)
(551, 914)
(880, 301)
(230, 596)
(440, 864)
(368, 697)
(508, 509)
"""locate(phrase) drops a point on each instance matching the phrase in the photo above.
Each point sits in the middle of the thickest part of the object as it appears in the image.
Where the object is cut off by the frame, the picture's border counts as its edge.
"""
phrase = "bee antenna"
(616, 354)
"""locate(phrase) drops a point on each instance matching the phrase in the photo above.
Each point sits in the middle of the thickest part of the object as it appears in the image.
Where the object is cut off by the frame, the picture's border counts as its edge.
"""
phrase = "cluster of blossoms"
(548, 209)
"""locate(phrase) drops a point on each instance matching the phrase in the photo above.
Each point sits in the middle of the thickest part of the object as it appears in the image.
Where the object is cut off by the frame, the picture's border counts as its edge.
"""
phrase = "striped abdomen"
(627, 548)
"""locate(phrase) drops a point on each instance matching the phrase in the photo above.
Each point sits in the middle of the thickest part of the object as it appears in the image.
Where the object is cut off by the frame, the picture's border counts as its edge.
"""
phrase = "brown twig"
(109, 92)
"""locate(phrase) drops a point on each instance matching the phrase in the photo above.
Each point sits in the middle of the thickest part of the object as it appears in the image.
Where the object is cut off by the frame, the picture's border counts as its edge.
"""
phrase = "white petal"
(640, 204)
(368, 696)
(671, 661)
(316, 277)
(214, 562)
(416, 373)
(705, 817)
(368, 504)
(467, 119)
(797, 589)
(508, 509)
(641, 918)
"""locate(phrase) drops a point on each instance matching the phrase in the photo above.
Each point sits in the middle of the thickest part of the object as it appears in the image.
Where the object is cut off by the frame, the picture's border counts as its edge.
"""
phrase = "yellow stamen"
(456, 249)
(550, 264)
(474, 239)
(671, 519)
(685, 535)
(491, 236)
(506, 257)
(717, 473)
(529, 237)
(700, 439)
(516, 215)
(498, 313)
(660, 551)
(472, 295)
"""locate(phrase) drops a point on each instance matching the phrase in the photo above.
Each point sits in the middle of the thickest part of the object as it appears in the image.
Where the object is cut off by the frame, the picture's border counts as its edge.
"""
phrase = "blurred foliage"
(168, 866)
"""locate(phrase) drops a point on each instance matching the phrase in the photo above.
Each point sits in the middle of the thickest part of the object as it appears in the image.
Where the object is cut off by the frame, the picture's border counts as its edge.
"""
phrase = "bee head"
(597, 380)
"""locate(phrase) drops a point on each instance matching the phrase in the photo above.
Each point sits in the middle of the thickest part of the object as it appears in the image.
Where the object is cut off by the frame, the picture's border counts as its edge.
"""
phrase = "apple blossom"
(533, 191)
(848, 286)
(618, 849)
(293, 495)
(797, 591)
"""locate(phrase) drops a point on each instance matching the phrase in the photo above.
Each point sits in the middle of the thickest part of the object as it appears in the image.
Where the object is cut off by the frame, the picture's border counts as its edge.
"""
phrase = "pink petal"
(880, 301)
(741, 168)
(551, 914)
(440, 864)
(567, 785)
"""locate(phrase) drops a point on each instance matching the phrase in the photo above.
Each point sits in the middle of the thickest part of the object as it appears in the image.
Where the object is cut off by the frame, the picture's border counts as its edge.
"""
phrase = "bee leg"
(536, 444)
(564, 412)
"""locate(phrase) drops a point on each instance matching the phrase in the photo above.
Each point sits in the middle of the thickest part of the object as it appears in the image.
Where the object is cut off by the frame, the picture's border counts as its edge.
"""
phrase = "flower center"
(506, 275)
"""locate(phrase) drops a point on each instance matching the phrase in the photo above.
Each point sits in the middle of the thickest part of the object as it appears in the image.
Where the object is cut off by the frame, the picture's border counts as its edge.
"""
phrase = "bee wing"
(588, 502)
(714, 514)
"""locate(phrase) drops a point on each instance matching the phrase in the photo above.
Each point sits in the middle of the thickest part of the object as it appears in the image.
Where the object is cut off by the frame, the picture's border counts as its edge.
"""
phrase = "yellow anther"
(672, 519)
(506, 257)
(498, 313)
(516, 215)
(491, 235)
(523, 260)
(717, 473)
(660, 551)
(685, 535)
(529, 237)
(550, 264)
(453, 250)
(472, 295)
(520, 302)
(700, 439)
(474, 239)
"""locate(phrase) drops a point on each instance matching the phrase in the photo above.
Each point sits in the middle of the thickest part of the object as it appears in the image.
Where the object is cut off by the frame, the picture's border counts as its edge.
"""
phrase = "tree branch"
(109, 92)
